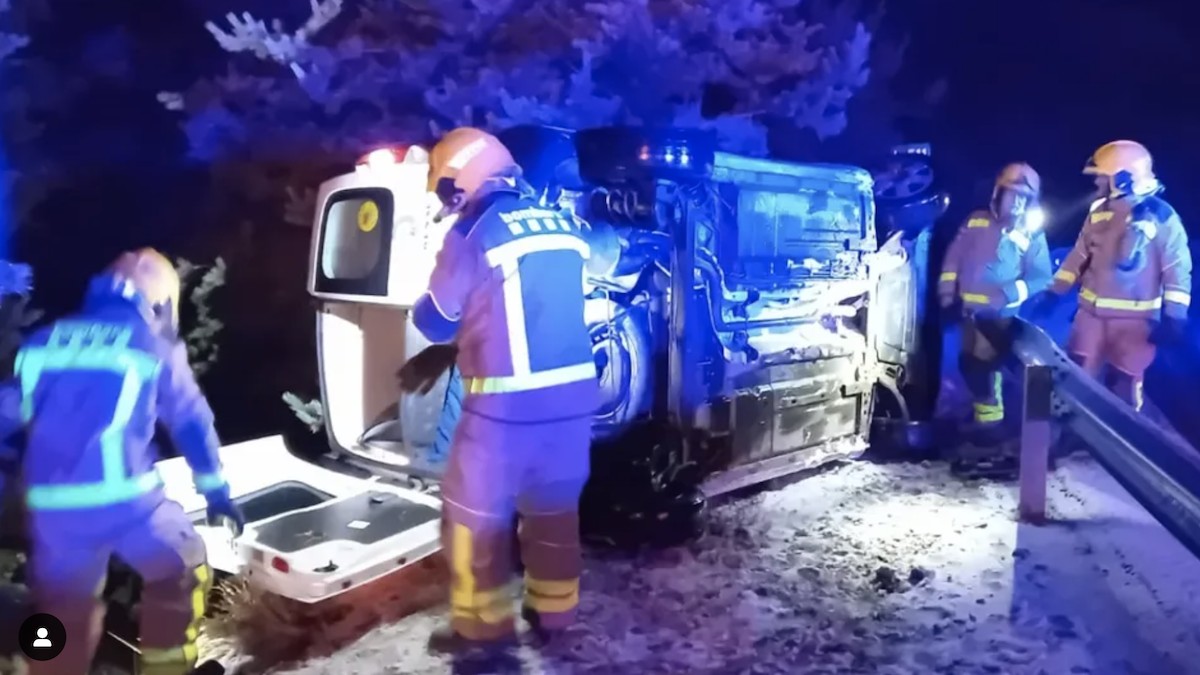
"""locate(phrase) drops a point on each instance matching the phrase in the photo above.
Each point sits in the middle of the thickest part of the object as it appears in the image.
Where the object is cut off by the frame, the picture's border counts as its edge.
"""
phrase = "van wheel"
(908, 195)
(621, 349)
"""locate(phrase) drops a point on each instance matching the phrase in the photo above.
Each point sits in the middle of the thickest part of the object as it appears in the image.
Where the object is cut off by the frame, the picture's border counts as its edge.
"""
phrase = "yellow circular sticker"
(368, 216)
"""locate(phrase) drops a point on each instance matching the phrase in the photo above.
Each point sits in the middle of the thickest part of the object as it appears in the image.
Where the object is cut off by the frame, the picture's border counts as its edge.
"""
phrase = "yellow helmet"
(149, 278)
(1021, 178)
(462, 162)
(1128, 167)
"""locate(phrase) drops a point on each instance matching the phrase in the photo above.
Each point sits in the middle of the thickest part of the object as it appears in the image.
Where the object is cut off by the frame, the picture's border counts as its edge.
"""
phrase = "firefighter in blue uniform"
(507, 291)
(93, 385)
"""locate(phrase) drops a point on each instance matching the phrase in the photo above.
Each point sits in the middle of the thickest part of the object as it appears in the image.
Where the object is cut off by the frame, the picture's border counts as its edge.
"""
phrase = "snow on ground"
(867, 568)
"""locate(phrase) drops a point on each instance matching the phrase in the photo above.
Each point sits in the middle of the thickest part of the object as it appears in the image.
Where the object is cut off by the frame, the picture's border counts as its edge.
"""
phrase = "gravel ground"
(864, 569)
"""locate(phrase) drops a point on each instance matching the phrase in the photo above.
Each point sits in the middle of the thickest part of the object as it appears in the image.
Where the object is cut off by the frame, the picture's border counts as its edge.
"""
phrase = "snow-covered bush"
(199, 282)
(358, 74)
(311, 413)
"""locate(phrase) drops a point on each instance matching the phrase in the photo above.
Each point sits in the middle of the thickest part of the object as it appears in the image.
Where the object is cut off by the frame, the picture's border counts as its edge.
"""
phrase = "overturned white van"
(738, 338)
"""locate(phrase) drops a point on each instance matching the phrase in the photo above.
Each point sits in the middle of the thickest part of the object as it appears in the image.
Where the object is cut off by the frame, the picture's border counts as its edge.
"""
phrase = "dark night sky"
(1049, 81)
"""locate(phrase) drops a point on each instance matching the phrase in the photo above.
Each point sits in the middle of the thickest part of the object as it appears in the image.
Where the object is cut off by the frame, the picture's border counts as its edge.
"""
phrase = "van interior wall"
(384, 351)
(362, 347)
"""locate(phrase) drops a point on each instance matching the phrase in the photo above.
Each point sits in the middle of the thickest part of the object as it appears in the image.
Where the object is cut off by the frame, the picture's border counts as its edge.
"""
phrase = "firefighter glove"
(422, 371)
(222, 510)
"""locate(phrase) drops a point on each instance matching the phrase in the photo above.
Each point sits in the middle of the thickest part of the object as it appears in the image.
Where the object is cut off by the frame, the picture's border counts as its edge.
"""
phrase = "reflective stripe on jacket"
(994, 269)
(93, 387)
(1130, 260)
(508, 288)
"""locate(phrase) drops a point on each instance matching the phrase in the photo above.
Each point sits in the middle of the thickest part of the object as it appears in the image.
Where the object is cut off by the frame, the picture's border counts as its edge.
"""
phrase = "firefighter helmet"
(462, 162)
(148, 279)
(1128, 167)
(1021, 178)
(1016, 193)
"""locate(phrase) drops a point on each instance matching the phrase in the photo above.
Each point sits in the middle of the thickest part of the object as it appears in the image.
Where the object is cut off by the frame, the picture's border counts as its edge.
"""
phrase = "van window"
(354, 238)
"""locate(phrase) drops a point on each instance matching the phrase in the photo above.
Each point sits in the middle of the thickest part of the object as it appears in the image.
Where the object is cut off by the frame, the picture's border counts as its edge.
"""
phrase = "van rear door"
(373, 250)
(313, 531)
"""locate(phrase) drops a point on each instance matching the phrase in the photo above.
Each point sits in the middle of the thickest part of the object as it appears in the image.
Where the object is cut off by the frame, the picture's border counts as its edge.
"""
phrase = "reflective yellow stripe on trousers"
(551, 596)
(467, 601)
(992, 412)
(539, 380)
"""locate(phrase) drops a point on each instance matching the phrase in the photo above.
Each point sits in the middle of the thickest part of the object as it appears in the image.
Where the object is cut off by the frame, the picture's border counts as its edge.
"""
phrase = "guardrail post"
(1035, 442)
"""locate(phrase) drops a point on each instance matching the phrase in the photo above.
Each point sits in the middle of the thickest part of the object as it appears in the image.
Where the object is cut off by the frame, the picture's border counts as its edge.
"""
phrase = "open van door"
(374, 247)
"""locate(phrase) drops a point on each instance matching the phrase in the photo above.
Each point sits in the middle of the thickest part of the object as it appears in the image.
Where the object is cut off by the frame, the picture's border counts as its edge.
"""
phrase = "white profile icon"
(42, 641)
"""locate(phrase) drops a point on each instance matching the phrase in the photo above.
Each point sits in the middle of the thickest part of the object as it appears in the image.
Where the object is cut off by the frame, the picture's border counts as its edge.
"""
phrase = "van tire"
(629, 330)
(908, 194)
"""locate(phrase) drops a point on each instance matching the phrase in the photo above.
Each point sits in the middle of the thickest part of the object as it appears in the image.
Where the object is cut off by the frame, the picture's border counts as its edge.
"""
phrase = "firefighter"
(507, 291)
(1134, 270)
(998, 259)
(93, 385)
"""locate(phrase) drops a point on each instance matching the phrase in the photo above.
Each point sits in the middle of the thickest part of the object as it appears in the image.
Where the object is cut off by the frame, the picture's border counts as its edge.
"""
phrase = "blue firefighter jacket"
(992, 268)
(508, 289)
(93, 386)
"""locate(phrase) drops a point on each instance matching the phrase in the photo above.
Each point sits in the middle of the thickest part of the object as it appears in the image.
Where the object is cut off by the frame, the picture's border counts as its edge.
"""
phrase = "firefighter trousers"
(70, 554)
(979, 361)
(496, 471)
(1121, 344)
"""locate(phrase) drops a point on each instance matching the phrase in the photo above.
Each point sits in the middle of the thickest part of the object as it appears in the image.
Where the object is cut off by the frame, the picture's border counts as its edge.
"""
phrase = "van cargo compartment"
(271, 501)
(365, 519)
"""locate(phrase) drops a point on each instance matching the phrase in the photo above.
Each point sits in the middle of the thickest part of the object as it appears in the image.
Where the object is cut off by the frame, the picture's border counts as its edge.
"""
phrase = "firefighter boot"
(997, 461)
(985, 450)
(446, 641)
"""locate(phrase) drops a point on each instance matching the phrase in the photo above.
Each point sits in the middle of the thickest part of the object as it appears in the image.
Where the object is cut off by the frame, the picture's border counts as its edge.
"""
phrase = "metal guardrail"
(1160, 470)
